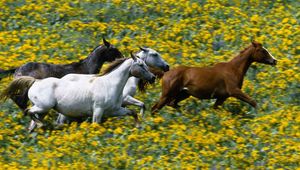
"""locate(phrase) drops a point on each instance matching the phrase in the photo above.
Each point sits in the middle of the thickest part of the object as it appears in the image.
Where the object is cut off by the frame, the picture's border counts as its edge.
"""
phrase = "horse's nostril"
(167, 68)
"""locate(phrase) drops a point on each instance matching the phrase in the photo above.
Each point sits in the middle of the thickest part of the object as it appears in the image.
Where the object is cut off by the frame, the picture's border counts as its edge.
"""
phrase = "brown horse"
(219, 82)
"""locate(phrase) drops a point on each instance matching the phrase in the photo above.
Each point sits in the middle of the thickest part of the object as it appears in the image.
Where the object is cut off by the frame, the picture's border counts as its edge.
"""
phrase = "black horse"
(90, 65)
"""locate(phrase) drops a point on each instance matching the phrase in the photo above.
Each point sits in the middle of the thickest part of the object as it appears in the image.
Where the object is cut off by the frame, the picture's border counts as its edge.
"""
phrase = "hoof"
(25, 112)
(138, 126)
(59, 127)
(175, 106)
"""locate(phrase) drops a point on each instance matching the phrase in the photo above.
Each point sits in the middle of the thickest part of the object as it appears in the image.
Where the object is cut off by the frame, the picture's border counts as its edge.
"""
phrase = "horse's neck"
(241, 64)
(118, 77)
(94, 61)
(89, 65)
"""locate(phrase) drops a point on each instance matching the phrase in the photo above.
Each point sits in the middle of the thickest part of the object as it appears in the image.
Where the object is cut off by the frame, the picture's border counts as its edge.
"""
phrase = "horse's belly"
(79, 108)
(206, 93)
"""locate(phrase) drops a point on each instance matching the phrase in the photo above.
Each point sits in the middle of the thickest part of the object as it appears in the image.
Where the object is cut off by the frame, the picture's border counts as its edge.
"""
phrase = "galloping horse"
(90, 65)
(152, 59)
(219, 82)
(83, 95)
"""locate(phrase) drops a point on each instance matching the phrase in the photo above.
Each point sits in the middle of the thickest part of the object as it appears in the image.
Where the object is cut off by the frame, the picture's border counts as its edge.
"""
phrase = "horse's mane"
(245, 49)
(142, 84)
(82, 60)
(95, 48)
(114, 65)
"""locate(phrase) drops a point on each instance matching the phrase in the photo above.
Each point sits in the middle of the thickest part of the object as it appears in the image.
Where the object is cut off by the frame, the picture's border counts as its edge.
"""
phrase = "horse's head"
(153, 59)
(262, 55)
(139, 69)
(110, 52)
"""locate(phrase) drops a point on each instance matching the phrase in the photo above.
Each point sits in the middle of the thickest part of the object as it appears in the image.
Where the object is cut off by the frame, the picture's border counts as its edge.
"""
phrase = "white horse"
(78, 95)
(152, 59)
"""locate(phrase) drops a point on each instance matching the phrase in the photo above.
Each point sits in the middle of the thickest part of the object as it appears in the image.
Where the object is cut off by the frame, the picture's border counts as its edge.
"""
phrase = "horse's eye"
(155, 55)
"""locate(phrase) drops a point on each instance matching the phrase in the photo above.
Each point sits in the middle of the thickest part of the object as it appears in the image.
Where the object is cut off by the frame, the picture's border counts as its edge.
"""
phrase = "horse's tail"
(5, 73)
(17, 87)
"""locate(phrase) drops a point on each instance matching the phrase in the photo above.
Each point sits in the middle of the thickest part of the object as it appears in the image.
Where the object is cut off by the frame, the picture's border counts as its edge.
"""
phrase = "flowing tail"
(5, 73)
(17, 87)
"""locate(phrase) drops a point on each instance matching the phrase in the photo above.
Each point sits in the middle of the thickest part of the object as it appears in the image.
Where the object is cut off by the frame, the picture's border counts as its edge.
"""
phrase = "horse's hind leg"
(61, 119)
(160, 104)
(183, 94)
(37, 119)
(219, 102)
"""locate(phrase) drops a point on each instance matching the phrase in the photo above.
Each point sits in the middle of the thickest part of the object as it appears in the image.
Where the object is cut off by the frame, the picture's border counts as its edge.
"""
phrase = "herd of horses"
(76, 91)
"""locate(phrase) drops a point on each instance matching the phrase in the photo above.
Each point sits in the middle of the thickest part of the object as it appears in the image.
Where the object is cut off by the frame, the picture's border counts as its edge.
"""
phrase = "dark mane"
(142, 84)
(114, 65)
(95, 48)
(82, 60)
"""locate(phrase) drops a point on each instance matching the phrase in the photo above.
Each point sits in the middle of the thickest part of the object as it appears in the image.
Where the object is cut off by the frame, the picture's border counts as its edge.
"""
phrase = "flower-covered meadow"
(235, 136)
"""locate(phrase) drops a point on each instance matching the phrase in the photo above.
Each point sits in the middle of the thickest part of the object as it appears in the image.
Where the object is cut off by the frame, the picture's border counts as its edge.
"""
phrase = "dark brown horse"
(90, 65)
(219, 82)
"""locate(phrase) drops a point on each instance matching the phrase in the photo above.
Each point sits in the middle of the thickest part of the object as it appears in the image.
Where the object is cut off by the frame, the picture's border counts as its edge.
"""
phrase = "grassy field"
(185, 33)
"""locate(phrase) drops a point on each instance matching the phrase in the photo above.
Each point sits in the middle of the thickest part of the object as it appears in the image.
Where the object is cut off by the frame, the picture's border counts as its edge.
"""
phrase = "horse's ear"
(133, 56)
(256, 44)
(144, 49)
(106, 43)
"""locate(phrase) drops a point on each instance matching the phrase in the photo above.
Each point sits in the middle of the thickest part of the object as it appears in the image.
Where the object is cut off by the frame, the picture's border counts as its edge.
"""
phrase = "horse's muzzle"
(274, 62)
(166, 68)
(152, 80)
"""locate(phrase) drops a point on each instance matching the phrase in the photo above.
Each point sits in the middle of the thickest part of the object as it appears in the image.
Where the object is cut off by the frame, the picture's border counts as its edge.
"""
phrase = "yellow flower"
(118, 131)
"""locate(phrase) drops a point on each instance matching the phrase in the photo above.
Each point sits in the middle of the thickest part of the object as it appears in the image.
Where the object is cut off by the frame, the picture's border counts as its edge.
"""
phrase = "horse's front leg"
(183, 94)
(97, 114)
(129, 100)
(237, 93)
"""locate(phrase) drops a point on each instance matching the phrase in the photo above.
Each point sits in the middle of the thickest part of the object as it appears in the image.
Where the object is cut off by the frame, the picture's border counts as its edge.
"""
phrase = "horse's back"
(38, 70)
(43, 70)
(201, 82)
(77, 77)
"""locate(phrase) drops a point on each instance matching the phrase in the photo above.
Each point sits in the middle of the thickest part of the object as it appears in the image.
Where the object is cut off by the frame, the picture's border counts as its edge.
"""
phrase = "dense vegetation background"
(184, 32)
